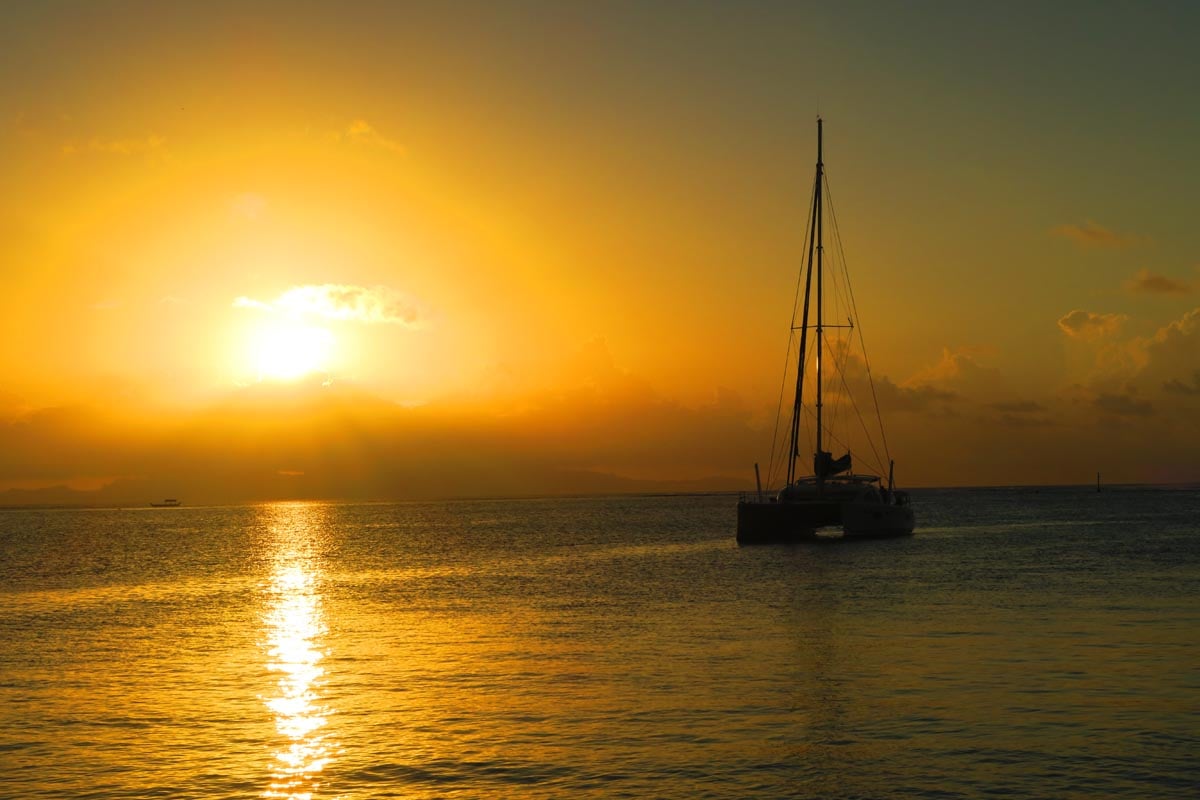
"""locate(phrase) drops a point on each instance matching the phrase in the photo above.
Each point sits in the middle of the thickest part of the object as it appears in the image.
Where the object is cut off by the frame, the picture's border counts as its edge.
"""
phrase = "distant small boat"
(833, 495)
(169, 502)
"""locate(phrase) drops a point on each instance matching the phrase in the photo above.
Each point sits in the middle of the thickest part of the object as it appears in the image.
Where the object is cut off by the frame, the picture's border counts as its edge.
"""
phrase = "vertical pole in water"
(1097, 483)
(758, 481)
(820, 289)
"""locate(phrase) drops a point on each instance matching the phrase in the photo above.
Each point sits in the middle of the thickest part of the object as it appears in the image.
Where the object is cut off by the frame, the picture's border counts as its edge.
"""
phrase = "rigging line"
(780, 449)
(779, 412)
(844, 341)
(843, 359)
(862, 424)
(809, 430)
(832, 410)
(832, 350)
(812, 414)
(785, 455)
(839, 348)
(854, 307)
(814, 238)
(840, 366)
(874, 466)
(844, 338)
(787, 358)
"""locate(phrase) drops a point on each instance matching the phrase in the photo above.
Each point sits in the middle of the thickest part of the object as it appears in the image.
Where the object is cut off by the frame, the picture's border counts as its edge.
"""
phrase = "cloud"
(118, 147)
(1180, 332)
(74, 441)
(1153, 283)
(912, 398)
(603, 430)
(1021, 414)
(1019, 407)
(1024, 421)
(1172, 351)
(1176, 386)
(1107, 362)
(963, 372)
(361, 131)
(249, 302)
(1090, 326)
(347, 303)
(957, 365)
(1089, 235)
(591, 426)
(1123, 405)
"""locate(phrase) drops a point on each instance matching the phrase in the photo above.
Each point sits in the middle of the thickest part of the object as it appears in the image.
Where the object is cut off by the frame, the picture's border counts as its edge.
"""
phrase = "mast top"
(819, 139)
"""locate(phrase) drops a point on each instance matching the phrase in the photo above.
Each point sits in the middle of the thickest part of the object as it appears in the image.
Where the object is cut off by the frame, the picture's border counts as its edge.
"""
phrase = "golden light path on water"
(294, 632)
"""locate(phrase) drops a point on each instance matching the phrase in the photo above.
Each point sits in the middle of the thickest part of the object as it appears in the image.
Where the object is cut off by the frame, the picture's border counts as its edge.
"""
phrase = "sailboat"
(833, 495)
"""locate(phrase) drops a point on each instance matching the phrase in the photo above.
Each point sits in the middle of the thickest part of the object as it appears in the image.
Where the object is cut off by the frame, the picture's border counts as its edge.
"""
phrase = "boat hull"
(774, 522)
(877, 520)
(780, 523)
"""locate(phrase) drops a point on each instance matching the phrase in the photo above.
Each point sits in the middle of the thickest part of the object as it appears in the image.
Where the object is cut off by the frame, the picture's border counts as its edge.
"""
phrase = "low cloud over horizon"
(598, 428)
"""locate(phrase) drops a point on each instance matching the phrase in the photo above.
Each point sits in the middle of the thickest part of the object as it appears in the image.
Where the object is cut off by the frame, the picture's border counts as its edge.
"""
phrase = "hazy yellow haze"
(536, 249)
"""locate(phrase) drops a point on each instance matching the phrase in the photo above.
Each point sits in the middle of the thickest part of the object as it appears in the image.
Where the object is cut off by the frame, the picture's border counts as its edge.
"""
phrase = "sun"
(287, 350)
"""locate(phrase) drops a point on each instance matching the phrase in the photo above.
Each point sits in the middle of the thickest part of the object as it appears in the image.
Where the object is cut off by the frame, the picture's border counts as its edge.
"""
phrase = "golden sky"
(259, 250)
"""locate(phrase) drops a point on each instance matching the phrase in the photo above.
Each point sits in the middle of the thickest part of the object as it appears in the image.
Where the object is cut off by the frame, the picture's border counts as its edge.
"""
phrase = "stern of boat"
(877, 520)
(763, 520)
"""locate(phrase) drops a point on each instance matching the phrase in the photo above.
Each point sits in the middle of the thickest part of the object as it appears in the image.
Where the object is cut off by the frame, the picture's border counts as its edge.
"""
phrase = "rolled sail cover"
(824, 464)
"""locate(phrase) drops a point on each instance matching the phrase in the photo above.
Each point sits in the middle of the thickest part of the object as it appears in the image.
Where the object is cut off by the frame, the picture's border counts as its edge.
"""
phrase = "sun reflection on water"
(294, 633)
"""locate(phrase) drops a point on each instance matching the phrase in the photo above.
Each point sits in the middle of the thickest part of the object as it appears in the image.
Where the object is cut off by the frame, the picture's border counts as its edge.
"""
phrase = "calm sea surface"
(1023, 644)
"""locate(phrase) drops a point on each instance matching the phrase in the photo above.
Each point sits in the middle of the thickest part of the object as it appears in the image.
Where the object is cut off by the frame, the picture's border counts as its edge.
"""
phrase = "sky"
(388, 250)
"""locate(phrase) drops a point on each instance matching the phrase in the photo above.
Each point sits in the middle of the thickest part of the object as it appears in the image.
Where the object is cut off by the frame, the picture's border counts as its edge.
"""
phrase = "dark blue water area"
(1026, 642)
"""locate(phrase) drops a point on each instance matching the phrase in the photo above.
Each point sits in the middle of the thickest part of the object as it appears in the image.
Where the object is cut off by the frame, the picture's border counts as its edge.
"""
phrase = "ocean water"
(1024, 643)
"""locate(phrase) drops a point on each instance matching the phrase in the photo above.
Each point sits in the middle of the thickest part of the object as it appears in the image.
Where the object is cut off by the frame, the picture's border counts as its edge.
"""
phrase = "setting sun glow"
(289, 350)
(411, 250)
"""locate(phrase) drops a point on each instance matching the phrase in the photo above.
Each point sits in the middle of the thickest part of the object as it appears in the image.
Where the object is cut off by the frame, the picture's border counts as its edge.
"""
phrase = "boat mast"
(797, 405)
(819, 470)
